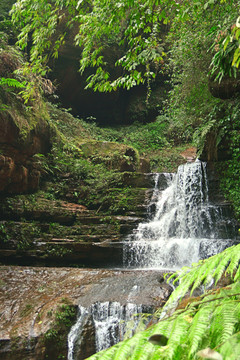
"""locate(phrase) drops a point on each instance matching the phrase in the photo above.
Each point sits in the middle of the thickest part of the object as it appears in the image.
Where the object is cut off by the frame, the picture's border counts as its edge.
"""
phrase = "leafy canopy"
(134, 26)
(131, 30)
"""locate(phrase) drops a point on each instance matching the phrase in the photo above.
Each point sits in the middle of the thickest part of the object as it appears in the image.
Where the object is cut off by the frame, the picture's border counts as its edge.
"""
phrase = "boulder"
(226, 89)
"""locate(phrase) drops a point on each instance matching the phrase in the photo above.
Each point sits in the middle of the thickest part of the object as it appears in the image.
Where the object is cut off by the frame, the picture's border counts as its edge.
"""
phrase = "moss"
(26, 310)
(110, 153)
(21, 233)
(55, 339)
(67, 125)
(167, 160)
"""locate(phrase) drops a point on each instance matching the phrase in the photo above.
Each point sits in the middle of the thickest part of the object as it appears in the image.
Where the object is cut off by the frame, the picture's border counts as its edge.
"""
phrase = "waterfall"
(182, 226)
(185, 227)
(109, 322)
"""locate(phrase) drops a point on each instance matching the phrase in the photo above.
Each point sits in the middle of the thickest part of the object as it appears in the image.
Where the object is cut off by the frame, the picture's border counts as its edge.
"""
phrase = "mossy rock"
(116, 156)
(24, 129)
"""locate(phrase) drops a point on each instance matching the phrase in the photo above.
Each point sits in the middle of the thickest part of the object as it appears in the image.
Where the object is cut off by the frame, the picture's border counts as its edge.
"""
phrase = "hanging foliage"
(135, 27)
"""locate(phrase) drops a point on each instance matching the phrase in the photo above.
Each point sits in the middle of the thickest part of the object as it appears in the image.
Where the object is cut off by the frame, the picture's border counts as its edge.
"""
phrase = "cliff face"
(24, 132)
(76, 214)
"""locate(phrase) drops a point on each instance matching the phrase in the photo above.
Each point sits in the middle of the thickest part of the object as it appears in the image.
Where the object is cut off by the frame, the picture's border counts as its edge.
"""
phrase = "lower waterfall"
(109, 321)
(185, 227)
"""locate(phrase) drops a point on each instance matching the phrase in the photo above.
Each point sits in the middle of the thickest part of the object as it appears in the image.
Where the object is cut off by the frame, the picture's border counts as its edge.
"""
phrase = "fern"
(138, 349)
(179, 330)
(212, 320)
(229, 321)
(123, 351)
(12, 83)
(214, 267)
(199, 328)
(231, 348)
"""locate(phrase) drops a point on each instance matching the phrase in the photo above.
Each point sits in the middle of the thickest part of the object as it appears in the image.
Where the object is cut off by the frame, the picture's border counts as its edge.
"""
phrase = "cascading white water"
(74, 336)
(185, 227)
(109, 321)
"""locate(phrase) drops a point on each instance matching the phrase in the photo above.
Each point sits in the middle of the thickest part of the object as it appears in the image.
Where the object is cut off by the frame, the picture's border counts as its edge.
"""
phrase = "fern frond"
(12, 82)
(201, 275)
(123, 351)
(178, 332)
(140, 345)
(237, 275)
(199, 327)
(225, 262)
(233, 266)
(231, 348)
(222, 264)
(229, 320)
(144, 353)
(108, 354)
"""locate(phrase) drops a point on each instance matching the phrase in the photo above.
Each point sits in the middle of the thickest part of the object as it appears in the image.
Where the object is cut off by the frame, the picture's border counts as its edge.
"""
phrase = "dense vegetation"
(196, 42)
(201, 52)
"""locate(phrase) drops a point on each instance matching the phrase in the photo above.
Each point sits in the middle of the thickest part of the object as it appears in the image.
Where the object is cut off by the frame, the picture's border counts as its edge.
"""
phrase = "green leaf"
(236, 56)
(226, 42)
(238, 22)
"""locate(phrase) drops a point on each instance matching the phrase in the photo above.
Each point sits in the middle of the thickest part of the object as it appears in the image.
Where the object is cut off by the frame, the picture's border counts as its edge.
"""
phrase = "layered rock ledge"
(38, 305)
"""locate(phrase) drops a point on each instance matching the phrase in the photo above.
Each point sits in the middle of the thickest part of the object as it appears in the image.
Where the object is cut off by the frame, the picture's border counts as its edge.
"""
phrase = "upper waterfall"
(185, 227)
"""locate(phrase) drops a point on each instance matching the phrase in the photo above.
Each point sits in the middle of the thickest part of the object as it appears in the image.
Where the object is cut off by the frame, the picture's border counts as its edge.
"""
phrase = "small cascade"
(185, 227)
(156, 191)
(74, 336)
(109, 322)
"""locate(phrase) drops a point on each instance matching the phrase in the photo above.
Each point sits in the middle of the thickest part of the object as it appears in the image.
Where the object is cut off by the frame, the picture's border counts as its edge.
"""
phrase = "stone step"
(65, 252)
(145, 180)
(38, 230)
(51, 239)
(62, 212)
(84, 225)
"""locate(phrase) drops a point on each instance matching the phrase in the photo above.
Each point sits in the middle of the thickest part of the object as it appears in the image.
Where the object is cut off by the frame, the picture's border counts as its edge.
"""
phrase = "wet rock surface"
(29, 298)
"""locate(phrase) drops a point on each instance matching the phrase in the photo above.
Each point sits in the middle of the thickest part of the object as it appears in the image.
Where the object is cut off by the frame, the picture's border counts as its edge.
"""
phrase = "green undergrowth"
(161, 141)
(55, 338)
(167, 159)
(162, 133)
(230, 170)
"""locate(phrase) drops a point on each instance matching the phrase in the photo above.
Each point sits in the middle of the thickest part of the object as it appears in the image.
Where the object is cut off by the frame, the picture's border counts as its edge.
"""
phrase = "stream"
(182, 227)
